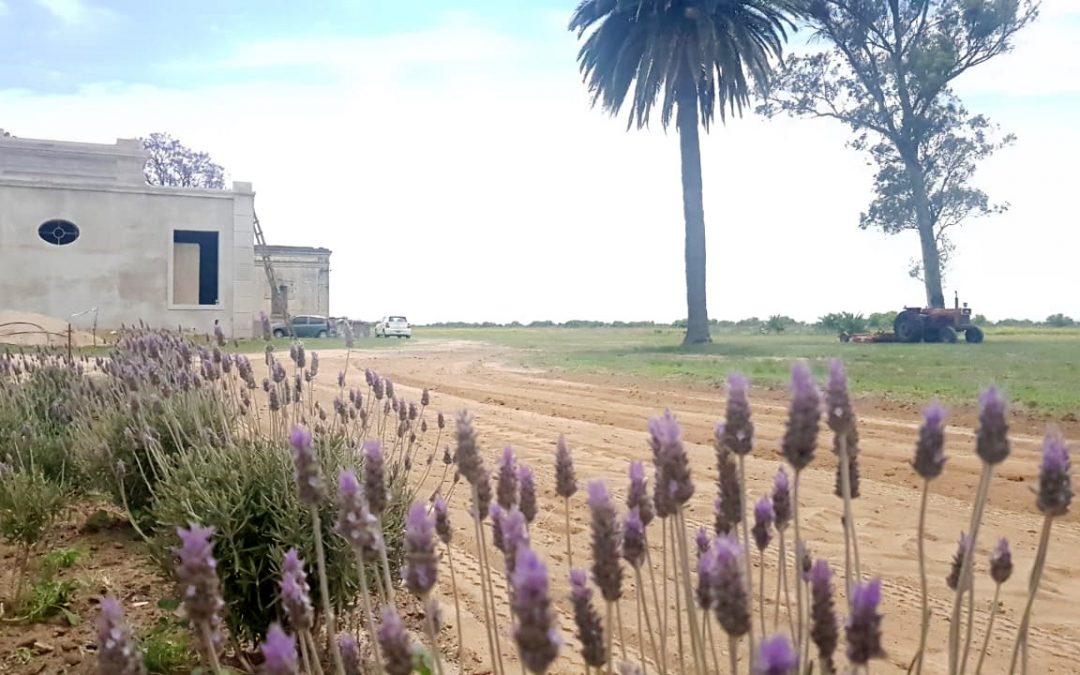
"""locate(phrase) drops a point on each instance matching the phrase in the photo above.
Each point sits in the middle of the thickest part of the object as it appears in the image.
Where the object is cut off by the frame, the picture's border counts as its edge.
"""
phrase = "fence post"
(70, 359)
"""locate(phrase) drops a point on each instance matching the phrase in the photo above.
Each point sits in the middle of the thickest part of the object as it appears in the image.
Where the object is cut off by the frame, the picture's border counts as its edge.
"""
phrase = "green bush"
(36, 414)
(843, 322)
(29, 504)
(245, 490)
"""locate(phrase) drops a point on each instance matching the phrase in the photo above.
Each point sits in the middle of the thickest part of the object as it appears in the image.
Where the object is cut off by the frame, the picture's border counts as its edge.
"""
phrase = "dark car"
(306, 326)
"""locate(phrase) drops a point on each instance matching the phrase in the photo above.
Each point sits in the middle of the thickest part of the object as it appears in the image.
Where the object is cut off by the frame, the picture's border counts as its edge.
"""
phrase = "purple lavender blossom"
(863, 627)
(442, 520)
(350, 653)
(707, 566)
(590, 632)
(196, 572)
(118, 654)
(776, 657)
(702, 541)
(1001, 565)
(662, 501)
(375, 477)
(721, 524)
(606, 539)
(279, 653)
(295, 592)
(425, 397)
(565, 482)
(992, 436)
(804, 413)
(309, 482)
(637, 497)
(930, 457)
(394, 641)
(355, 524)
(471, 464)
(725, 574)
(535, 630)
(514, 537)
(840, 417)
(963, 547)
(440, 421)
(673, 477)
(527, 496)
(389, 385)
(1055, 477)
(823, 625)
(314, 363)
(421, 564)
(506, 494)
(341, 382)
(633, 543)
(730, 491)
(497, 513)
(738, 430)
(763, 520)
(781, 499)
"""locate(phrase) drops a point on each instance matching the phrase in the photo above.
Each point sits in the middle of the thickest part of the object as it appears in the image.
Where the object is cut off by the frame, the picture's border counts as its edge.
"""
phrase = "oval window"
(58, 232)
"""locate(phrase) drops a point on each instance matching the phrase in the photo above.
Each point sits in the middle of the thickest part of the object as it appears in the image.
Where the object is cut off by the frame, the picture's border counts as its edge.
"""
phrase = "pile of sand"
(29, 329)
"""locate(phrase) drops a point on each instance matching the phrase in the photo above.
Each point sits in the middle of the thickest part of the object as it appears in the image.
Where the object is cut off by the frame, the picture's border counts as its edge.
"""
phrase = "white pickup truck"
(393, 326)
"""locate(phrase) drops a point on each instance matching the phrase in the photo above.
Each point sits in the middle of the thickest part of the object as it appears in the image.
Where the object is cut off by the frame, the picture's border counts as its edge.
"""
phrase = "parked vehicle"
(306, 326)
(393, 326)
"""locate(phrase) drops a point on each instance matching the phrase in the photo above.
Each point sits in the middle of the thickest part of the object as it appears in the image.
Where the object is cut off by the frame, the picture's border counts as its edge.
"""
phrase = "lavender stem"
(433, 636)
(487, 593)
(733, 653)
(569, 550)
(662, 663)
(761, 594)
(368, 613)
(966, 582)
(989, 629)
(324, 591)
(622, 638)
(746, 543)
(640, 599)
(610, 632)
(695, 637)
(211, 653)
(648, 621)
(1033, 588)
(457, 605)
(386, 567)
(918, 661)
(798, 563)
(678, 602)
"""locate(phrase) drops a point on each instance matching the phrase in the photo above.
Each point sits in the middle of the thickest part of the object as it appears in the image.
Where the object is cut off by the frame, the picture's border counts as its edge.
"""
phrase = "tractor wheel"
(973, 334)
(948, 334)
(932, 332)
(908, 327)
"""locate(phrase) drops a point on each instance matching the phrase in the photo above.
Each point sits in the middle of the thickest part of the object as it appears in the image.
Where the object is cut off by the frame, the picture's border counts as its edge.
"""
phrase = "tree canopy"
(887, 72)
(171, 163)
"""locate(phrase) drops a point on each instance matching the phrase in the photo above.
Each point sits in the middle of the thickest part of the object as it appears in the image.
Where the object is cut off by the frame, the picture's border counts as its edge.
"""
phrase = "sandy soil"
(29, 329)
(604, 419)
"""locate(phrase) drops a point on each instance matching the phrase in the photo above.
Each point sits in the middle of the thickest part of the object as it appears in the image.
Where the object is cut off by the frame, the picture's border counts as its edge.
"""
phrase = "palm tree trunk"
(697, 323)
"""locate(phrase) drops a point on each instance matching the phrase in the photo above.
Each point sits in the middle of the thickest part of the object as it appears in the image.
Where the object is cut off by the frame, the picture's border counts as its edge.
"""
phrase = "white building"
(80, 228)
(303, 278)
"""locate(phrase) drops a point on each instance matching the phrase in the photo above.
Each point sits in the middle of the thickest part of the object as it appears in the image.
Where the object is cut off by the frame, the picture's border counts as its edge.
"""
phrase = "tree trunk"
(930, 258)
(697, 316)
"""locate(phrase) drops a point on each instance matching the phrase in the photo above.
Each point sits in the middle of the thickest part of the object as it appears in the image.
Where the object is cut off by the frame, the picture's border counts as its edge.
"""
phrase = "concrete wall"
(305, 271)
(122, 262)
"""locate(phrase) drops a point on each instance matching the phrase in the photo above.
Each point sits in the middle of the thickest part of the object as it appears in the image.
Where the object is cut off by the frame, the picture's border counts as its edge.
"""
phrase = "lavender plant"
(928, 463)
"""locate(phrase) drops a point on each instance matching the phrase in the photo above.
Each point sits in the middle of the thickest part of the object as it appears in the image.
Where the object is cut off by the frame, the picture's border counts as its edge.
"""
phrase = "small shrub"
(36, 414)
(843, 322)
(167, 649)
(48, 597)
(29, 504)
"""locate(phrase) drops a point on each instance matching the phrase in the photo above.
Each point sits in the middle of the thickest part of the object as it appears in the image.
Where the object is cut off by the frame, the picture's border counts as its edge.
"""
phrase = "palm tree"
(697, 59)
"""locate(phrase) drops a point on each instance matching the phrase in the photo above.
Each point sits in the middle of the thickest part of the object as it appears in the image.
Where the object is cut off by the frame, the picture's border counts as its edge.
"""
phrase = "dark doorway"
(205, 271)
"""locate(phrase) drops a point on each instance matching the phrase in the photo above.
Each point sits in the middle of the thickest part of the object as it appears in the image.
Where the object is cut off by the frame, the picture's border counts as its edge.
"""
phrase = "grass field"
(1039, 368)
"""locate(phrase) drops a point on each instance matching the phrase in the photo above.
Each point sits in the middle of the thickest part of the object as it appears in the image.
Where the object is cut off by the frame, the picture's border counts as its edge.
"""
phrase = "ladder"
(271, 278)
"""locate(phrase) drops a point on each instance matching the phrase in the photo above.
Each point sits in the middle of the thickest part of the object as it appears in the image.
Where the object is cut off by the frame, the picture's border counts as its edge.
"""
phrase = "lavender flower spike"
(395, 643)
(840, 416)
(1055, 477)
(1001, 565)
(930, 459)
(863, 626)
(374, 477)
(514, 537)
(506, 494)
(776, 657)
(637, 497)
(763, 519)
(197, 576)
(673, 466)
(421, 565)
(355, 524)
(309, 483)
(350, 653)
(117, 652)
(279, 653)
(991, 438)
(962, 548)
(590, 632)
(295, 592)
(565, 482)
(633, 543)
(607, 573)
(527, 493)
(804, 413)
(823, 625)
(731, 599)
(781, 499)
(738, 433)
(536, 633)
(442, 520)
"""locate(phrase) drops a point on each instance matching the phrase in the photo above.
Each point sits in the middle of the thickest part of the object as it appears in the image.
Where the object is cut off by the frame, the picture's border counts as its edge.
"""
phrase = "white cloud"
(479, 193)
(75, 12)
(3, 8)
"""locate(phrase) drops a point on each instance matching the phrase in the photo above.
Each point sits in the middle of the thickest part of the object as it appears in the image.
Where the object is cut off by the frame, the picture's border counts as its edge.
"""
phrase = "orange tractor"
(926, 324)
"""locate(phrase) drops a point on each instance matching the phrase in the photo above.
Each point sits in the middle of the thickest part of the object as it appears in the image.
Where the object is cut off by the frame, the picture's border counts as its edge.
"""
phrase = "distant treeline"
(777, 323)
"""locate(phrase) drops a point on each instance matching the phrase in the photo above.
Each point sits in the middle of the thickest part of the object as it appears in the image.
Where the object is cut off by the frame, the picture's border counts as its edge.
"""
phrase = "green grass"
(1039, 369)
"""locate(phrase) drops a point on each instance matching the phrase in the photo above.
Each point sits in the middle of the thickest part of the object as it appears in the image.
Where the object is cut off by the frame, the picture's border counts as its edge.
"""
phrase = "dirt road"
(604, 420)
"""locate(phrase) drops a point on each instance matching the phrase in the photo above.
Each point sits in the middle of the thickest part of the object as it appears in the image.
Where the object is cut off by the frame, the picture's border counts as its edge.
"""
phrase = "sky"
(447, 153)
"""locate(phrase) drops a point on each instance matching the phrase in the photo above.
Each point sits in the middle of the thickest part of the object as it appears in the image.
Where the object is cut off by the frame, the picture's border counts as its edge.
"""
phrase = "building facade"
(303, 277)
(80, 229)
